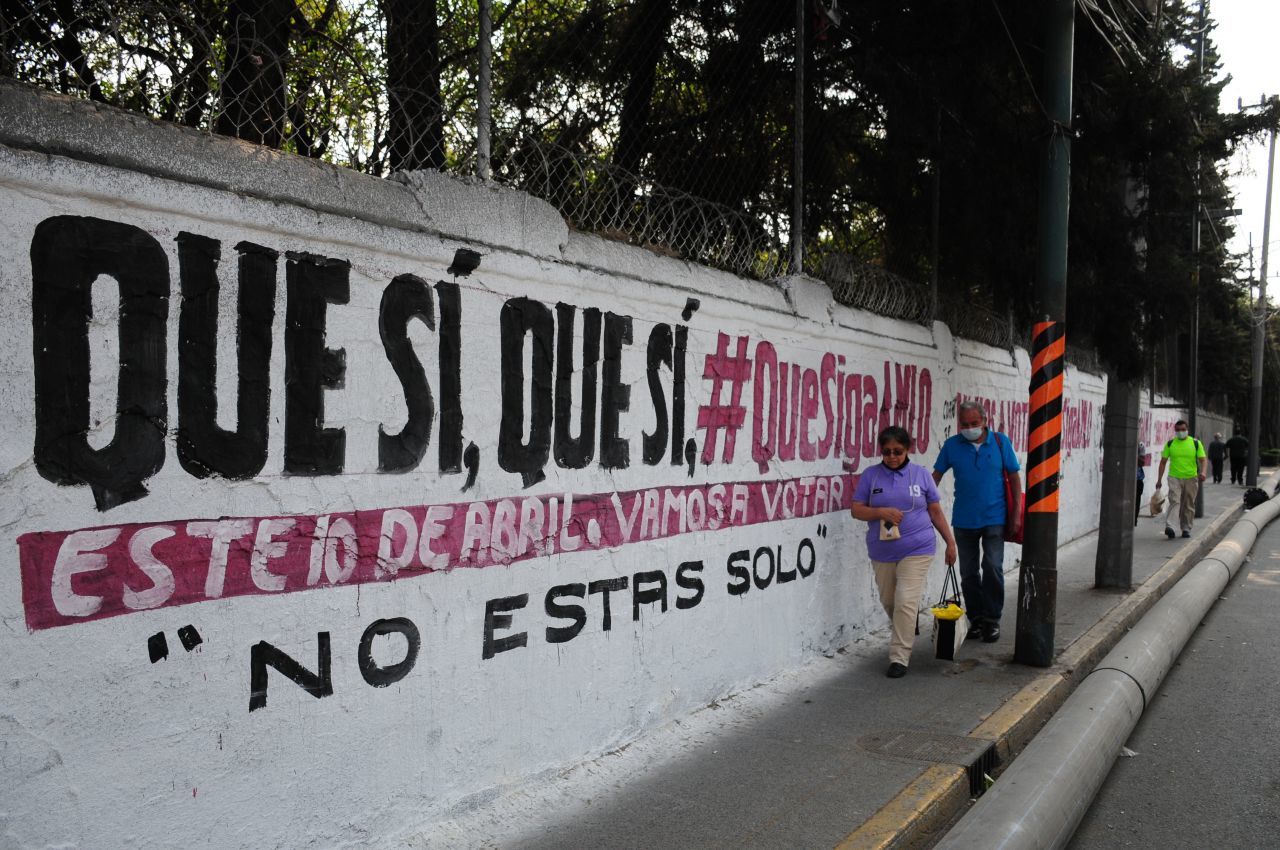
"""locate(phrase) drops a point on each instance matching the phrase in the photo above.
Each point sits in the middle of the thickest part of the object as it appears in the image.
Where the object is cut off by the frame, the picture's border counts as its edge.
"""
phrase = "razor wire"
(869, 287)
(977, 323)
(1085, 359)
(597, 196)
(876, 290)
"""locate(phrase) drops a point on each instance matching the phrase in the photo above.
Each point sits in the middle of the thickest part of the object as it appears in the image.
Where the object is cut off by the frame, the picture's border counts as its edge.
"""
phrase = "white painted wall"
(106, 748)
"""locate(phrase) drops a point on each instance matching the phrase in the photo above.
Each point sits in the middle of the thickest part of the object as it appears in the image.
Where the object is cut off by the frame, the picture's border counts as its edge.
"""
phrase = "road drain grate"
(976, 755)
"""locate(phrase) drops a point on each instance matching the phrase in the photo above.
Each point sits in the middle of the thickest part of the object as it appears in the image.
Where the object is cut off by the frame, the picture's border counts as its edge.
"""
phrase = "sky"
(1248, 39)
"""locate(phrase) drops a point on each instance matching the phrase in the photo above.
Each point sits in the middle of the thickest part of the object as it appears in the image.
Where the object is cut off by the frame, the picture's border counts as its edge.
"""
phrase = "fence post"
(484, 88)
(797, 173)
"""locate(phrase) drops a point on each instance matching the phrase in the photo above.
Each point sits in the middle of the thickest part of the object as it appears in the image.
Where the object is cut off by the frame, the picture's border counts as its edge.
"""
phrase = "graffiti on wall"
(1081, 420)
(563, 402)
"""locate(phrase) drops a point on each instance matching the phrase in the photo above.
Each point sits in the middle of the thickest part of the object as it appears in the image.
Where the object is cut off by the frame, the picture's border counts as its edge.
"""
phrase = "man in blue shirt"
(980, 459)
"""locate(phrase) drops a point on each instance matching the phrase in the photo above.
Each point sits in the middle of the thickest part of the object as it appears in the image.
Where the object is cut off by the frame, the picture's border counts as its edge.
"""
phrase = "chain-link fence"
(392, 85)
(371, 86)
(664, 123)
(872, 288)
(598, 196)
(1085, 359)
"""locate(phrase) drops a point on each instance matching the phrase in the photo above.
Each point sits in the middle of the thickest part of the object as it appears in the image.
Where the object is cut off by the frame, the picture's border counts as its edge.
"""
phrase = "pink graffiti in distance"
(90, 574)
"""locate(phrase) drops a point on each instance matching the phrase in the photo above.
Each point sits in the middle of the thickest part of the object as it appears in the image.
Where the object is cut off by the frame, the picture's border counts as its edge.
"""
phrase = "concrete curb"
(917, 815)
(1045, 792)
(923, 811)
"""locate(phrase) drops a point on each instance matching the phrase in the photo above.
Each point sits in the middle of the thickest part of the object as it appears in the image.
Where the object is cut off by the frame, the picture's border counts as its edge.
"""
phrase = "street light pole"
(1195, 332)
(1195, 285)
(1260, 332)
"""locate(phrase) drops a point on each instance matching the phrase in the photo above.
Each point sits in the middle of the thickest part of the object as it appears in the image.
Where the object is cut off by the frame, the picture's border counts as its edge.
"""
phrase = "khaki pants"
(1182, 503)
(901, 584)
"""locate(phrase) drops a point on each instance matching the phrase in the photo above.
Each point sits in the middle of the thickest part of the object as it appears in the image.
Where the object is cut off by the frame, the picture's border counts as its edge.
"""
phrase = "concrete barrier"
(1041, 797)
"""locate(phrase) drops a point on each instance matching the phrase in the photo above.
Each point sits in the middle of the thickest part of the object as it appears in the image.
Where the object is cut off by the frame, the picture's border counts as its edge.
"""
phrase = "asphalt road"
(1206, 769)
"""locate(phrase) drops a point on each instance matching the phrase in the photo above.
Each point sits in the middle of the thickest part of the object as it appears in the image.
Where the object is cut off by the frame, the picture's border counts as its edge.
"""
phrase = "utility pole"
(1260, 332)
(1195, 285)
(1038, 577)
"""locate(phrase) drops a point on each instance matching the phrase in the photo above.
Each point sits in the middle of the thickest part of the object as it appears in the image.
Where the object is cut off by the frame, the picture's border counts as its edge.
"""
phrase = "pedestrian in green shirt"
(1185, 458)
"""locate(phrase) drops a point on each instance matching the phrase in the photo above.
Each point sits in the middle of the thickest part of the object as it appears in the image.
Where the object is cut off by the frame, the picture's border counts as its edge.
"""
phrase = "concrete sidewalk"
(848, 757)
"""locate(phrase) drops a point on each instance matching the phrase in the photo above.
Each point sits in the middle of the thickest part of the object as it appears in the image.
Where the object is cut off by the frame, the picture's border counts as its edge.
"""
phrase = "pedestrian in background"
(981, 458)
(1238, 452)
(899, 502)
(1217, 454)
(1142, 477)
(1185, 458)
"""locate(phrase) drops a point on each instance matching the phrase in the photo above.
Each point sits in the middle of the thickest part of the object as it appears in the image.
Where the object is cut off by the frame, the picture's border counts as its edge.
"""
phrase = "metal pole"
(797, 173)
(485, 90)
(1038, 578)
(1260, 332)
(1195, 283)
(1195, 342)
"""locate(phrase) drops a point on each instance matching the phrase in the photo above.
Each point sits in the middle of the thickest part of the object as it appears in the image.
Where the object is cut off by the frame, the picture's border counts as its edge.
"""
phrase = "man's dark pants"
(1217, 470)
(1237, 469)
(982, 581)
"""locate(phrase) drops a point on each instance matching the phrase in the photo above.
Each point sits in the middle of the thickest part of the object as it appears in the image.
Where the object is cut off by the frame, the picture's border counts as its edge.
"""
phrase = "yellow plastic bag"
(950, 611)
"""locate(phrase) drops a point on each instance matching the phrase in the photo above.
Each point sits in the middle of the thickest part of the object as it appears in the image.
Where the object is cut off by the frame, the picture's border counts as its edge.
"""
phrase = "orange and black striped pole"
(1038, 577)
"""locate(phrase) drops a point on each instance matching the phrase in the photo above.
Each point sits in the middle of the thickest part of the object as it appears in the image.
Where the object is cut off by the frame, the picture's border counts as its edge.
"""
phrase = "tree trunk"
(1113, 566)
(253, 90)
(643, 46)
(416, 125)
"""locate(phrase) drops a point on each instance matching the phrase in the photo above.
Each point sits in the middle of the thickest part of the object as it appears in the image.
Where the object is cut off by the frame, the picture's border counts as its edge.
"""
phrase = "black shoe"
(1168, 532)
(896, 670)
(1186, 534)
(975, 632)
(990, 633)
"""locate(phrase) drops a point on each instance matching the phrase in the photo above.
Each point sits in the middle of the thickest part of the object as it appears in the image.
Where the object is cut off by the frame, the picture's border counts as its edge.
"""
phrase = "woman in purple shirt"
(899, 502)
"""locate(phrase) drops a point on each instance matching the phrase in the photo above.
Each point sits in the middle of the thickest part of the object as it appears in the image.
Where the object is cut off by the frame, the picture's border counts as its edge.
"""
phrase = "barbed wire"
(1085, 359)
(869, 287)
(598, 196)
(977, 323)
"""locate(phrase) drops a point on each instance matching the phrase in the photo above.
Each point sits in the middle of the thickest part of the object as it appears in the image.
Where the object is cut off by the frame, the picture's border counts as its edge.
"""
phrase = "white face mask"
(1182, 435)
(971, 434)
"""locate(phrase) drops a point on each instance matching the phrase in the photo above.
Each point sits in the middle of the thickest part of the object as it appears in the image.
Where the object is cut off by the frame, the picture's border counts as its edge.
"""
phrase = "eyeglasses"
(893, 452)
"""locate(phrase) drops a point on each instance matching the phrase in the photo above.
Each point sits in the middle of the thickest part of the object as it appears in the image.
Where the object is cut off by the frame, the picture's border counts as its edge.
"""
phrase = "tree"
(416, 126)
(253, 93)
